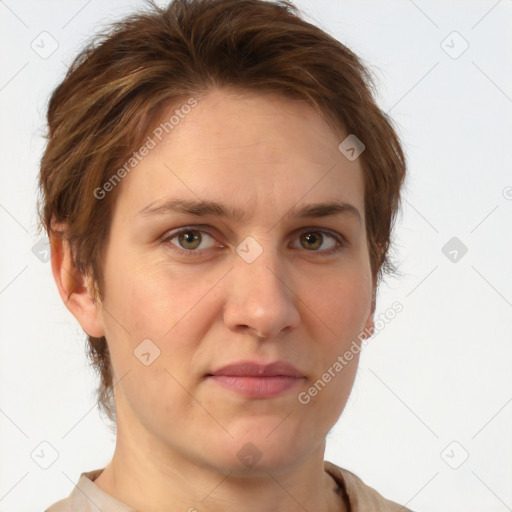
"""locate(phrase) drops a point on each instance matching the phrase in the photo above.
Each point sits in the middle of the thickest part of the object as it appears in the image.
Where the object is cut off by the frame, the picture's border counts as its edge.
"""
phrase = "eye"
(187, 240)
(311, 240)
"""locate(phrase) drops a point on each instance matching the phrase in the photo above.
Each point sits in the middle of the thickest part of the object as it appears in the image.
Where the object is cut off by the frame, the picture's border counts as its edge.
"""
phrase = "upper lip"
(255, 369)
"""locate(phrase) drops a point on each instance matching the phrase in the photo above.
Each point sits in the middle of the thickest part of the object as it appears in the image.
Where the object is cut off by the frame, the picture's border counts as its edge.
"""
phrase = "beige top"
(88, 497)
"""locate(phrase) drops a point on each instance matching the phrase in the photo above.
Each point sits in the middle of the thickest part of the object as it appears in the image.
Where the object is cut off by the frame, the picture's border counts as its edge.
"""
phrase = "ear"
(74, 288)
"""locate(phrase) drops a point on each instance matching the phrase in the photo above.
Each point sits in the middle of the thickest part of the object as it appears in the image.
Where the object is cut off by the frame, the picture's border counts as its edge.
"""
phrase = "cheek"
(150, 340)
(172, 309)
(327, 395)
(343, 303)
(154, 395)
(148, 299)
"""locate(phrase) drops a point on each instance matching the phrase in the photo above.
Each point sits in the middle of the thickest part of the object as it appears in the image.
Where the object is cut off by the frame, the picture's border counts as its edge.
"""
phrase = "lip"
(254, 369)
(256, 380)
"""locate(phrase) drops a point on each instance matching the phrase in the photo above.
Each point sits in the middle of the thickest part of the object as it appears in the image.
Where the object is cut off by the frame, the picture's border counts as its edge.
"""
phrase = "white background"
(439, 372)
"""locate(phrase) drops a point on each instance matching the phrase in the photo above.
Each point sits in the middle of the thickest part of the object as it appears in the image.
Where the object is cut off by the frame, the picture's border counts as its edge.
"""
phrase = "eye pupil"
(315, 239)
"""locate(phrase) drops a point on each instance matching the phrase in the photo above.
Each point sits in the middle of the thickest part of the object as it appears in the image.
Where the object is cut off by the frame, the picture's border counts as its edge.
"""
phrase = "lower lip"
(257, 387)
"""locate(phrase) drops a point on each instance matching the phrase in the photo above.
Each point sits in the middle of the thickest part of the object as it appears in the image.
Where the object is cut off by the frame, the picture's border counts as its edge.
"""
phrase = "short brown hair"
(129, 73)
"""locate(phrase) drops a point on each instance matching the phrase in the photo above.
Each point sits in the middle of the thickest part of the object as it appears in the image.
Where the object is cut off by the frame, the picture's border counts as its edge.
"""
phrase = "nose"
(261, 299)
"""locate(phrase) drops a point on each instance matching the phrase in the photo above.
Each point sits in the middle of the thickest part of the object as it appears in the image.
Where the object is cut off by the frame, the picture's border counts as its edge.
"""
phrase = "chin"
(257, 454)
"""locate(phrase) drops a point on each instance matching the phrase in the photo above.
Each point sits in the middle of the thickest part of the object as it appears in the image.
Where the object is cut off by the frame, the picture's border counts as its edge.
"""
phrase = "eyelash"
(338, 237)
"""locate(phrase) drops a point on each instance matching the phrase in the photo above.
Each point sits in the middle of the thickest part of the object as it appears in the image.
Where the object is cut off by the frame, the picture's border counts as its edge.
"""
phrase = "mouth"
(255, 380)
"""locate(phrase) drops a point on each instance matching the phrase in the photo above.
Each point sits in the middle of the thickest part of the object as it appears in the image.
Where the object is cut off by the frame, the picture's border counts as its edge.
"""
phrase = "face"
(263, 285)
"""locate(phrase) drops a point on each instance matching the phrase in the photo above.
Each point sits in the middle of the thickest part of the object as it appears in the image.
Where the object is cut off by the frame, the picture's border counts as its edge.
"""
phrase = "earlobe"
(74, 288)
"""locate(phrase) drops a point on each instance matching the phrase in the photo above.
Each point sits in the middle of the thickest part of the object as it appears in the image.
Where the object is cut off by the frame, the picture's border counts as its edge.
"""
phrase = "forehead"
(252, 148)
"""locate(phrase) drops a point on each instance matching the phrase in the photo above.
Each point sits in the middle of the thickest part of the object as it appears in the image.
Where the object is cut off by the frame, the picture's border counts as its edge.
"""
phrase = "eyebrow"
(204, 208)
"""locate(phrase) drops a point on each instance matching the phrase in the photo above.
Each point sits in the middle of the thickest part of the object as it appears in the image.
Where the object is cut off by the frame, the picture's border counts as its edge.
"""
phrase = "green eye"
(189, 239)
(313, 240)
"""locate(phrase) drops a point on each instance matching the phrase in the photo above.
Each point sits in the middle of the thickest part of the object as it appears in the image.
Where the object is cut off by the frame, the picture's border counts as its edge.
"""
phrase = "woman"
(219, 188)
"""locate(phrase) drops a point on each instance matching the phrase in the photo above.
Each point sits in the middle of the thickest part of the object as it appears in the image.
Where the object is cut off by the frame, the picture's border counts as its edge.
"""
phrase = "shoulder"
(362, 497)
(63, 505)
(84, 497)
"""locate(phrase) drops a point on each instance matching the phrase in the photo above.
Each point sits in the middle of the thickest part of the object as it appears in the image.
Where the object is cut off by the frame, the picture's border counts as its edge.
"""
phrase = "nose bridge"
(265, 275)
(260, 296)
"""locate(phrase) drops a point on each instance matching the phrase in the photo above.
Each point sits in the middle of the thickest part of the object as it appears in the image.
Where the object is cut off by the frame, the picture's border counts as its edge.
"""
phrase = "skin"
(179, 433)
